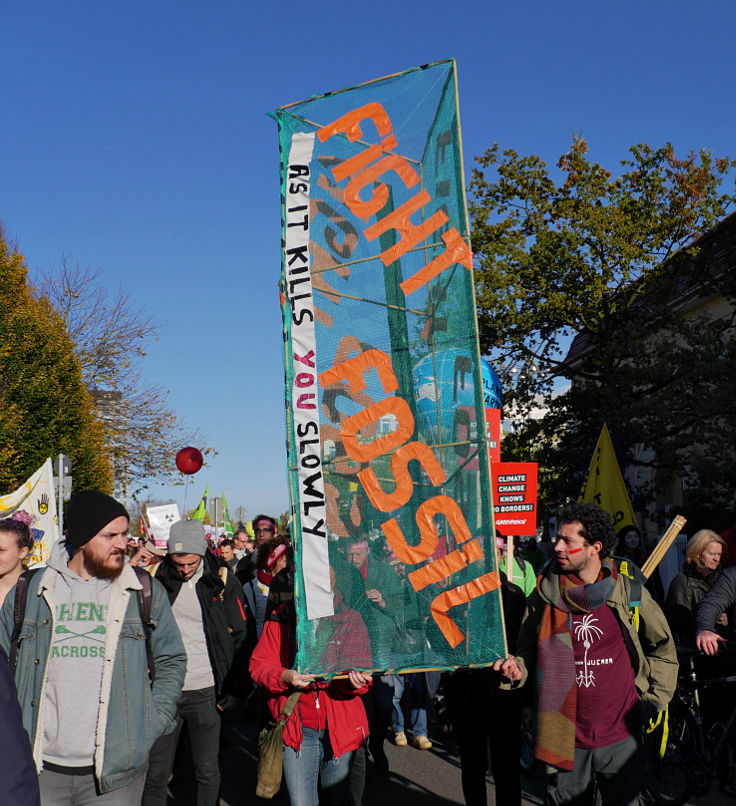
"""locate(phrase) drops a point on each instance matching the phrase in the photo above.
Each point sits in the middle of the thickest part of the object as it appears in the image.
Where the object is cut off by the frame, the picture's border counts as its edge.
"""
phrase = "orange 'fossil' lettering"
(425, 514)
(365, 452)
(457, 596)
(446, 566)
(386, 502)
(352, 371)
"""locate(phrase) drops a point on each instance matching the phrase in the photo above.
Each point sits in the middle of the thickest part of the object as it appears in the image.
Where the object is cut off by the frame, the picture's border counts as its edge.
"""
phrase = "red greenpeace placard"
(493, 431)
(515, 497)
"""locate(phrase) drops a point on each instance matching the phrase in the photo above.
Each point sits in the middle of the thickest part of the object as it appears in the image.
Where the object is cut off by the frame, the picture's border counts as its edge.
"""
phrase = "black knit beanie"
(87, 513)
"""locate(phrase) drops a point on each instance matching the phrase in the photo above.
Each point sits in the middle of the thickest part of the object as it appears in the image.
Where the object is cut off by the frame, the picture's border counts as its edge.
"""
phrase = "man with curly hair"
(601, 672)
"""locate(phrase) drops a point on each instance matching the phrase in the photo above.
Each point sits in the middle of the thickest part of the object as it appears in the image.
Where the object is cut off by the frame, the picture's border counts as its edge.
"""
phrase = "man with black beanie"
(89, 705)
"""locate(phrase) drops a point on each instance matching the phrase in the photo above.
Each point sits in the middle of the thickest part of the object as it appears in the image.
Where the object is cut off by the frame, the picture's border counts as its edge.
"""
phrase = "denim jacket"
(132, 713)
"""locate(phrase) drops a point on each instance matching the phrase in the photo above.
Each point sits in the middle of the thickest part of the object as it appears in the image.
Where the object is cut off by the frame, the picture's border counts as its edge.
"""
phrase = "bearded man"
(91, 704)
(604, 660)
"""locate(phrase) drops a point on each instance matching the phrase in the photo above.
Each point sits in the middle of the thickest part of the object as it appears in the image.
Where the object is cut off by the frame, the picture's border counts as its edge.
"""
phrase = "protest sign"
(515, 497)
(160, 519)
(35, 502)
(388, 459)
(493, 425)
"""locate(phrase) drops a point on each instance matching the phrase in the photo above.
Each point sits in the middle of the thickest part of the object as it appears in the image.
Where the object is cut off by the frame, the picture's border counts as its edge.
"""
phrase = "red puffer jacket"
(347, 723)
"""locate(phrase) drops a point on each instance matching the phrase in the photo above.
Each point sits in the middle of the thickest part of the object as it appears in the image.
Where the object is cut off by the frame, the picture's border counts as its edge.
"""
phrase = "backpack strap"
(636, 584)
(519, 557)
(637, 580)
(145, 598)
(19, 613)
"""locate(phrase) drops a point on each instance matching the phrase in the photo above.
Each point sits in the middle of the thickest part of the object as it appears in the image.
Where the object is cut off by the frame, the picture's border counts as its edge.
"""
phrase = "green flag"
(200, 513)
(229, 531)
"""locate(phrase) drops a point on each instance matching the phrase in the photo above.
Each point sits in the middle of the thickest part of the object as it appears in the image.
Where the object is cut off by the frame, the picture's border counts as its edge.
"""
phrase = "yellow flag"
(200, 513)
(604, 484)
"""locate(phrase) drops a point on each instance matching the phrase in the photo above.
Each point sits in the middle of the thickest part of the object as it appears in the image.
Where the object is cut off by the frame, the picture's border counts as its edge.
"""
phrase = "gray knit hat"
(187, 537)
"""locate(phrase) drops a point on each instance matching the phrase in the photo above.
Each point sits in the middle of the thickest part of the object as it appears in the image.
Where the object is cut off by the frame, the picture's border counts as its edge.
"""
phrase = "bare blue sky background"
(134, 138)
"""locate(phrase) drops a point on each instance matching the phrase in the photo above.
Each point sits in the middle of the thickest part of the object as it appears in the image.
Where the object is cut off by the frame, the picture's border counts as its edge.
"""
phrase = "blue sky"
(135, 138)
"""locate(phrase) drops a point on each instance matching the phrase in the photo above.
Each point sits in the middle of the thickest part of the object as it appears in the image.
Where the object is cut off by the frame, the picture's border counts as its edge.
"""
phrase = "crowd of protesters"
(187, 634)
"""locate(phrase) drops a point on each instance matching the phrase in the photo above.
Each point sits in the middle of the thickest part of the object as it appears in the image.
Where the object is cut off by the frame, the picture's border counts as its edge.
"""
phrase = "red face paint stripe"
(574, 551)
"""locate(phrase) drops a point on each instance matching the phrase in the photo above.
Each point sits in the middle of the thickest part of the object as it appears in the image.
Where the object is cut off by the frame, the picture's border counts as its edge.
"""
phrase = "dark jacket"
(17, 770)
(245, 569)
(685, 593)
(467, 687)
(228, 625)
(720, 599)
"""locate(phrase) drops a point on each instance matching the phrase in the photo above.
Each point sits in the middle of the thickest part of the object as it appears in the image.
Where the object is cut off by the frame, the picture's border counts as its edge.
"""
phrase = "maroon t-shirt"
(606, 694)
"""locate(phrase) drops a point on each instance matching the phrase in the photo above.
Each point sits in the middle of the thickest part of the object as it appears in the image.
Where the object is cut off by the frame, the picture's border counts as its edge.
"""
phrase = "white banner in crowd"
(214, 533)
(160, 519)
(36, 498)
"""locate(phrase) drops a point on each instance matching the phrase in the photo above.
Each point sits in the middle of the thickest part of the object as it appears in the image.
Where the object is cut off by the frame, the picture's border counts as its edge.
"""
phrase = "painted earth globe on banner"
(189, 460)
(492, 392)
(445, 379)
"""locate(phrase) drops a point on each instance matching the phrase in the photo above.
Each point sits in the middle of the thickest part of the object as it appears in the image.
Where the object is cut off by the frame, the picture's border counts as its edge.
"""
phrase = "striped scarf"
(555, 672)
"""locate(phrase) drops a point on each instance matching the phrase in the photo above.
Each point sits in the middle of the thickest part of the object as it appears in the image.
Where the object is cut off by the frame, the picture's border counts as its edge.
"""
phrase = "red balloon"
(189, 460)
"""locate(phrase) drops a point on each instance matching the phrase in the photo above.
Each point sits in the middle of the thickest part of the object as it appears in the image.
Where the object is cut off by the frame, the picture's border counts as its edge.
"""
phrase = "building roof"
(714, 259)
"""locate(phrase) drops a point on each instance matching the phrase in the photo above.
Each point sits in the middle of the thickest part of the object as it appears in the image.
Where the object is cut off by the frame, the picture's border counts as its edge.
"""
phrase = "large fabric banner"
(388, 461)
(35, 503)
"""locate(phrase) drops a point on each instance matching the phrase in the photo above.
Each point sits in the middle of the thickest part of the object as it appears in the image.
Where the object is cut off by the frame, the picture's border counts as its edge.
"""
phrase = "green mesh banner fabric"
(396, 566)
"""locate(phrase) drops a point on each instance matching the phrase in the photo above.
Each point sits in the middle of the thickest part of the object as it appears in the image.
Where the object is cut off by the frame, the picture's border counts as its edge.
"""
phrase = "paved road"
(416, 777)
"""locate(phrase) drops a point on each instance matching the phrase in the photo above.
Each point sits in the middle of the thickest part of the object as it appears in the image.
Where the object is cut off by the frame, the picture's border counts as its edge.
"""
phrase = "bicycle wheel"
(669, 785)
(682, 772)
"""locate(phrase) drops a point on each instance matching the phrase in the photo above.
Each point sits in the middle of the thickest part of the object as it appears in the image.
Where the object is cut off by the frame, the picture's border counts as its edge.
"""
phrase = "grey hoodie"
(74, 671)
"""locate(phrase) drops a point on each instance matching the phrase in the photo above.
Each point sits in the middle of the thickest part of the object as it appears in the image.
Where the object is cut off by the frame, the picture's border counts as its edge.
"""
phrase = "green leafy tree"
(44, 404)
(617, 261)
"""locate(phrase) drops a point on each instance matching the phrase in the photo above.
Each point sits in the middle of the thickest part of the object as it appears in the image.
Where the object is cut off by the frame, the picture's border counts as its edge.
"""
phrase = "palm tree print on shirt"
(587, 632)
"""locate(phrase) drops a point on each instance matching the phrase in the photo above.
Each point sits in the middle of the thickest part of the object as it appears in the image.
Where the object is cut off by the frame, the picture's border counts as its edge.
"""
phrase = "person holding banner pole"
(329, 723)
(477, 706)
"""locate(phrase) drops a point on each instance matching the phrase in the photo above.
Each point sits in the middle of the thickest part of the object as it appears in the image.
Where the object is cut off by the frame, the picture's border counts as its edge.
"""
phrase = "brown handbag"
(271, 751)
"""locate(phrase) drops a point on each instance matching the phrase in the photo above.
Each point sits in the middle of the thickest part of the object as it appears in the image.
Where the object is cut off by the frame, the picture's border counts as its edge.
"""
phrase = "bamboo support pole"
(665, 542)
(510, 558)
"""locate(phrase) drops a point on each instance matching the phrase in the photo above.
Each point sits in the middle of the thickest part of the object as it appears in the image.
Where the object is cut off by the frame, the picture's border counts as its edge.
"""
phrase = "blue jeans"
(417, 692)
(313, 764)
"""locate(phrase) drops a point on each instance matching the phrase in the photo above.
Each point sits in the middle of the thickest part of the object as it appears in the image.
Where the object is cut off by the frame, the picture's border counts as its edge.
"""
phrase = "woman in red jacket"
(328, 724)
